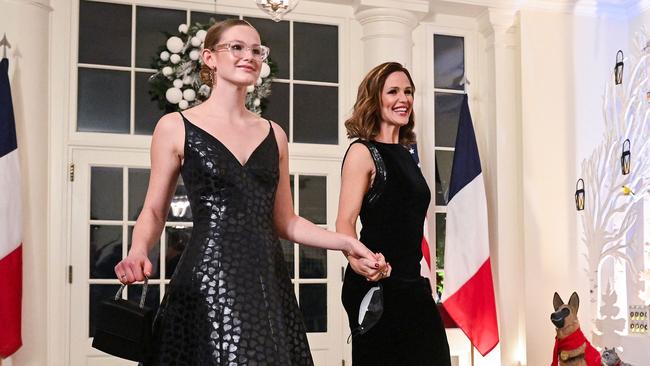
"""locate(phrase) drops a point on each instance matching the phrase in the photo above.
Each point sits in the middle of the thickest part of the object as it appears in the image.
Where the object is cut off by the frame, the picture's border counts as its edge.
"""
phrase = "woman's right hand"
(135, 267)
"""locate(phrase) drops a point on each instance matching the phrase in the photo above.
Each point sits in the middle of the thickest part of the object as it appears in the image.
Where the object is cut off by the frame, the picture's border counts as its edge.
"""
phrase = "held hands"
(135, 267)
(366, 263)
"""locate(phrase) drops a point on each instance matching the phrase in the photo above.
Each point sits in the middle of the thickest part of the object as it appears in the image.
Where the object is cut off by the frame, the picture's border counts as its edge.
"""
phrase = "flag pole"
(471, 357)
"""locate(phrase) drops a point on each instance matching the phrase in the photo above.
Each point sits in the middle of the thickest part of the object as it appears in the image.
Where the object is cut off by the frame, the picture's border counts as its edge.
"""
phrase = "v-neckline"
(230, 153)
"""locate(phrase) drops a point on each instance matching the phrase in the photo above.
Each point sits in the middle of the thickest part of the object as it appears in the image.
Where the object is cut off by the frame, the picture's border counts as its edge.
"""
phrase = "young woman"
(382, 184)
(230, 300)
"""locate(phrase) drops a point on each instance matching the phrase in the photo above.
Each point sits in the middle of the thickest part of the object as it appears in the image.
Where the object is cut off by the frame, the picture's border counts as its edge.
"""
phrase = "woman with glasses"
(230, 300)
(382, 184)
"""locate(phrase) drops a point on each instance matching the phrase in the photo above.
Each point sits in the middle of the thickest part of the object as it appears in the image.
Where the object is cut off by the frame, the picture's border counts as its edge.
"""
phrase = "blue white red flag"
(468, 293)
(10, 223)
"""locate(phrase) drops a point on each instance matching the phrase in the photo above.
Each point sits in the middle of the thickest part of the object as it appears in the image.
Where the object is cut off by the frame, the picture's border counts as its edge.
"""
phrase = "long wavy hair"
(366, 115)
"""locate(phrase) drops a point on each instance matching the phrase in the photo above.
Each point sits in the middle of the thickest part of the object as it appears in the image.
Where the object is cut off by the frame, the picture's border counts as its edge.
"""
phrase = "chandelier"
(276, 9)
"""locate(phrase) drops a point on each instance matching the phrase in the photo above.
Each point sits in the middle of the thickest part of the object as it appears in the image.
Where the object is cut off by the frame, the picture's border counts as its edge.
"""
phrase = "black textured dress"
(230, 301)
(410, 331)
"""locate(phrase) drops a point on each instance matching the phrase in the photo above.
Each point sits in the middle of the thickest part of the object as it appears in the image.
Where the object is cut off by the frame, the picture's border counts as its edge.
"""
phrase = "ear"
(574, 301)
(208, 58)
(557, 301)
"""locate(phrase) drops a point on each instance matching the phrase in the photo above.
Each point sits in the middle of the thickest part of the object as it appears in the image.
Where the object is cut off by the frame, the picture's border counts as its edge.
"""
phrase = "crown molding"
(41, 4)
(497, 20)
(617, 9)
(415, 6)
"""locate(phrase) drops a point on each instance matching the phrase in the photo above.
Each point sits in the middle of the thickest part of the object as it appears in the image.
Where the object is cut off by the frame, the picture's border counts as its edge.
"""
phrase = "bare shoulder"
(359, 157)
(169, 125)
(170, 131)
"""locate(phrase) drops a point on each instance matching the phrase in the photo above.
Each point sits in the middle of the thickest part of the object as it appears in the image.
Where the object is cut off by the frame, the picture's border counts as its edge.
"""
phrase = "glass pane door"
(108, 194)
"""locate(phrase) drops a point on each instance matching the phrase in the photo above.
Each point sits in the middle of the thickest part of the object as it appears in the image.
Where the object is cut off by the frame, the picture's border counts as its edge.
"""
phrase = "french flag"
(468, 294)
(11, 256)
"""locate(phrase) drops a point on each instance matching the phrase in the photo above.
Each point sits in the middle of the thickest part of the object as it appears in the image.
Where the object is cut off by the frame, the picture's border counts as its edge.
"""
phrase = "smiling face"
(396, 99)
(234, 56)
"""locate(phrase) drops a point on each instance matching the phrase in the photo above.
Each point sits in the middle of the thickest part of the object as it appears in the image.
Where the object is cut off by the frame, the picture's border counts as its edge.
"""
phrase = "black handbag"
(123, 327)
(370, 310)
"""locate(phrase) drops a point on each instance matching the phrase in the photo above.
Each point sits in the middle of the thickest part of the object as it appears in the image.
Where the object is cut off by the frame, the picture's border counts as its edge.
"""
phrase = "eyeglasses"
(238, 50)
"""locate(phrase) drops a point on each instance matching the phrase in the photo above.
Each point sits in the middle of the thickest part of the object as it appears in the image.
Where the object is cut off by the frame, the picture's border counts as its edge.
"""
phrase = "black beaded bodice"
(393, 211)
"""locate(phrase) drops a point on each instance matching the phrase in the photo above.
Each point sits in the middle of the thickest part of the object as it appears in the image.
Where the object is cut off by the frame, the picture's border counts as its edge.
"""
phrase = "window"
(449, 89)
(308, 266)
(118, 43)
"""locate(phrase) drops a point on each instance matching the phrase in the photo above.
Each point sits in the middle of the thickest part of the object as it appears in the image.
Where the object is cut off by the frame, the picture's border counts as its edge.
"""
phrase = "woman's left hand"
(372, 271)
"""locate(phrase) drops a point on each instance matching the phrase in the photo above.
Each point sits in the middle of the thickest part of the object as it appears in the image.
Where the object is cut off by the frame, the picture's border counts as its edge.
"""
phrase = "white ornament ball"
(187, 80)
(174, 44)
(182, 28)
(250, 88)
(164, 55)
(256, 102)
(173, 95)
(204, 90)
(178, 83)
(266, 70)
(201, 35)
(194, 55)
(175, 58)
(195, 41)
(183, 104)
(259, 81)
(167, 71)
(189, 94)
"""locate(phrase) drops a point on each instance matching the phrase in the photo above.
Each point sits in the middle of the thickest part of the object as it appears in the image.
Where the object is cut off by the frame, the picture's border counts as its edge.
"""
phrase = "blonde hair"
(366, 115)
(212, 38)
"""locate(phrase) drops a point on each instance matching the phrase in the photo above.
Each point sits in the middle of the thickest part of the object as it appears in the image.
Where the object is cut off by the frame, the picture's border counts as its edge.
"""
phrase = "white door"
(107, 187)
(316, 273)
(107, 193)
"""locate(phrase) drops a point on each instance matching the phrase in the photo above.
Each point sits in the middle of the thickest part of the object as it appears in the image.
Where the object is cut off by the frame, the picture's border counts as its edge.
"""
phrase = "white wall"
(28, 74)
(565, 62)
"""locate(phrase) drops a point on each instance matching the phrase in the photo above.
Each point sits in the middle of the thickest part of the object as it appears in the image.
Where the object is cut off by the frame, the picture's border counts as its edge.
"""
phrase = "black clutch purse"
(123, 328)
(370, 310)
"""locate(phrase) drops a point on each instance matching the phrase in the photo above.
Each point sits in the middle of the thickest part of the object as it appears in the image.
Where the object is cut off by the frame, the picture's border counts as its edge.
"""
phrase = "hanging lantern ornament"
(618, 69)
(277, 8)
(625, 157)
(580, 195)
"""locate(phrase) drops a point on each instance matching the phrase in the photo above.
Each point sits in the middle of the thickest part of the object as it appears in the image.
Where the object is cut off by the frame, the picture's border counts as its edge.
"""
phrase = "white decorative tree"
(610, 211)
(609, 324)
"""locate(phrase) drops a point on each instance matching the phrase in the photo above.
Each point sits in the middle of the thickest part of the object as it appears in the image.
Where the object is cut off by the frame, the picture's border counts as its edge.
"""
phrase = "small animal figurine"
(571, 346)
(610, 358)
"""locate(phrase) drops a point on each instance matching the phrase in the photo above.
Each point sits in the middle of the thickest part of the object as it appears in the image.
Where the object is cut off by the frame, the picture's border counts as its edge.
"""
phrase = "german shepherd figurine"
(571, 346)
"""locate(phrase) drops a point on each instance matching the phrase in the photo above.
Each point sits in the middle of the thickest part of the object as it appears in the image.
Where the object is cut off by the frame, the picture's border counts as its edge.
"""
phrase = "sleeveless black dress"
(410, 331)
(230, 301)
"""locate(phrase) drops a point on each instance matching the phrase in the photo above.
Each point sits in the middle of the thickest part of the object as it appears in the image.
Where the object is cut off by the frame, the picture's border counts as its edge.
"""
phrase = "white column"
(26, 24)
(504, 176)
(387, 31)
